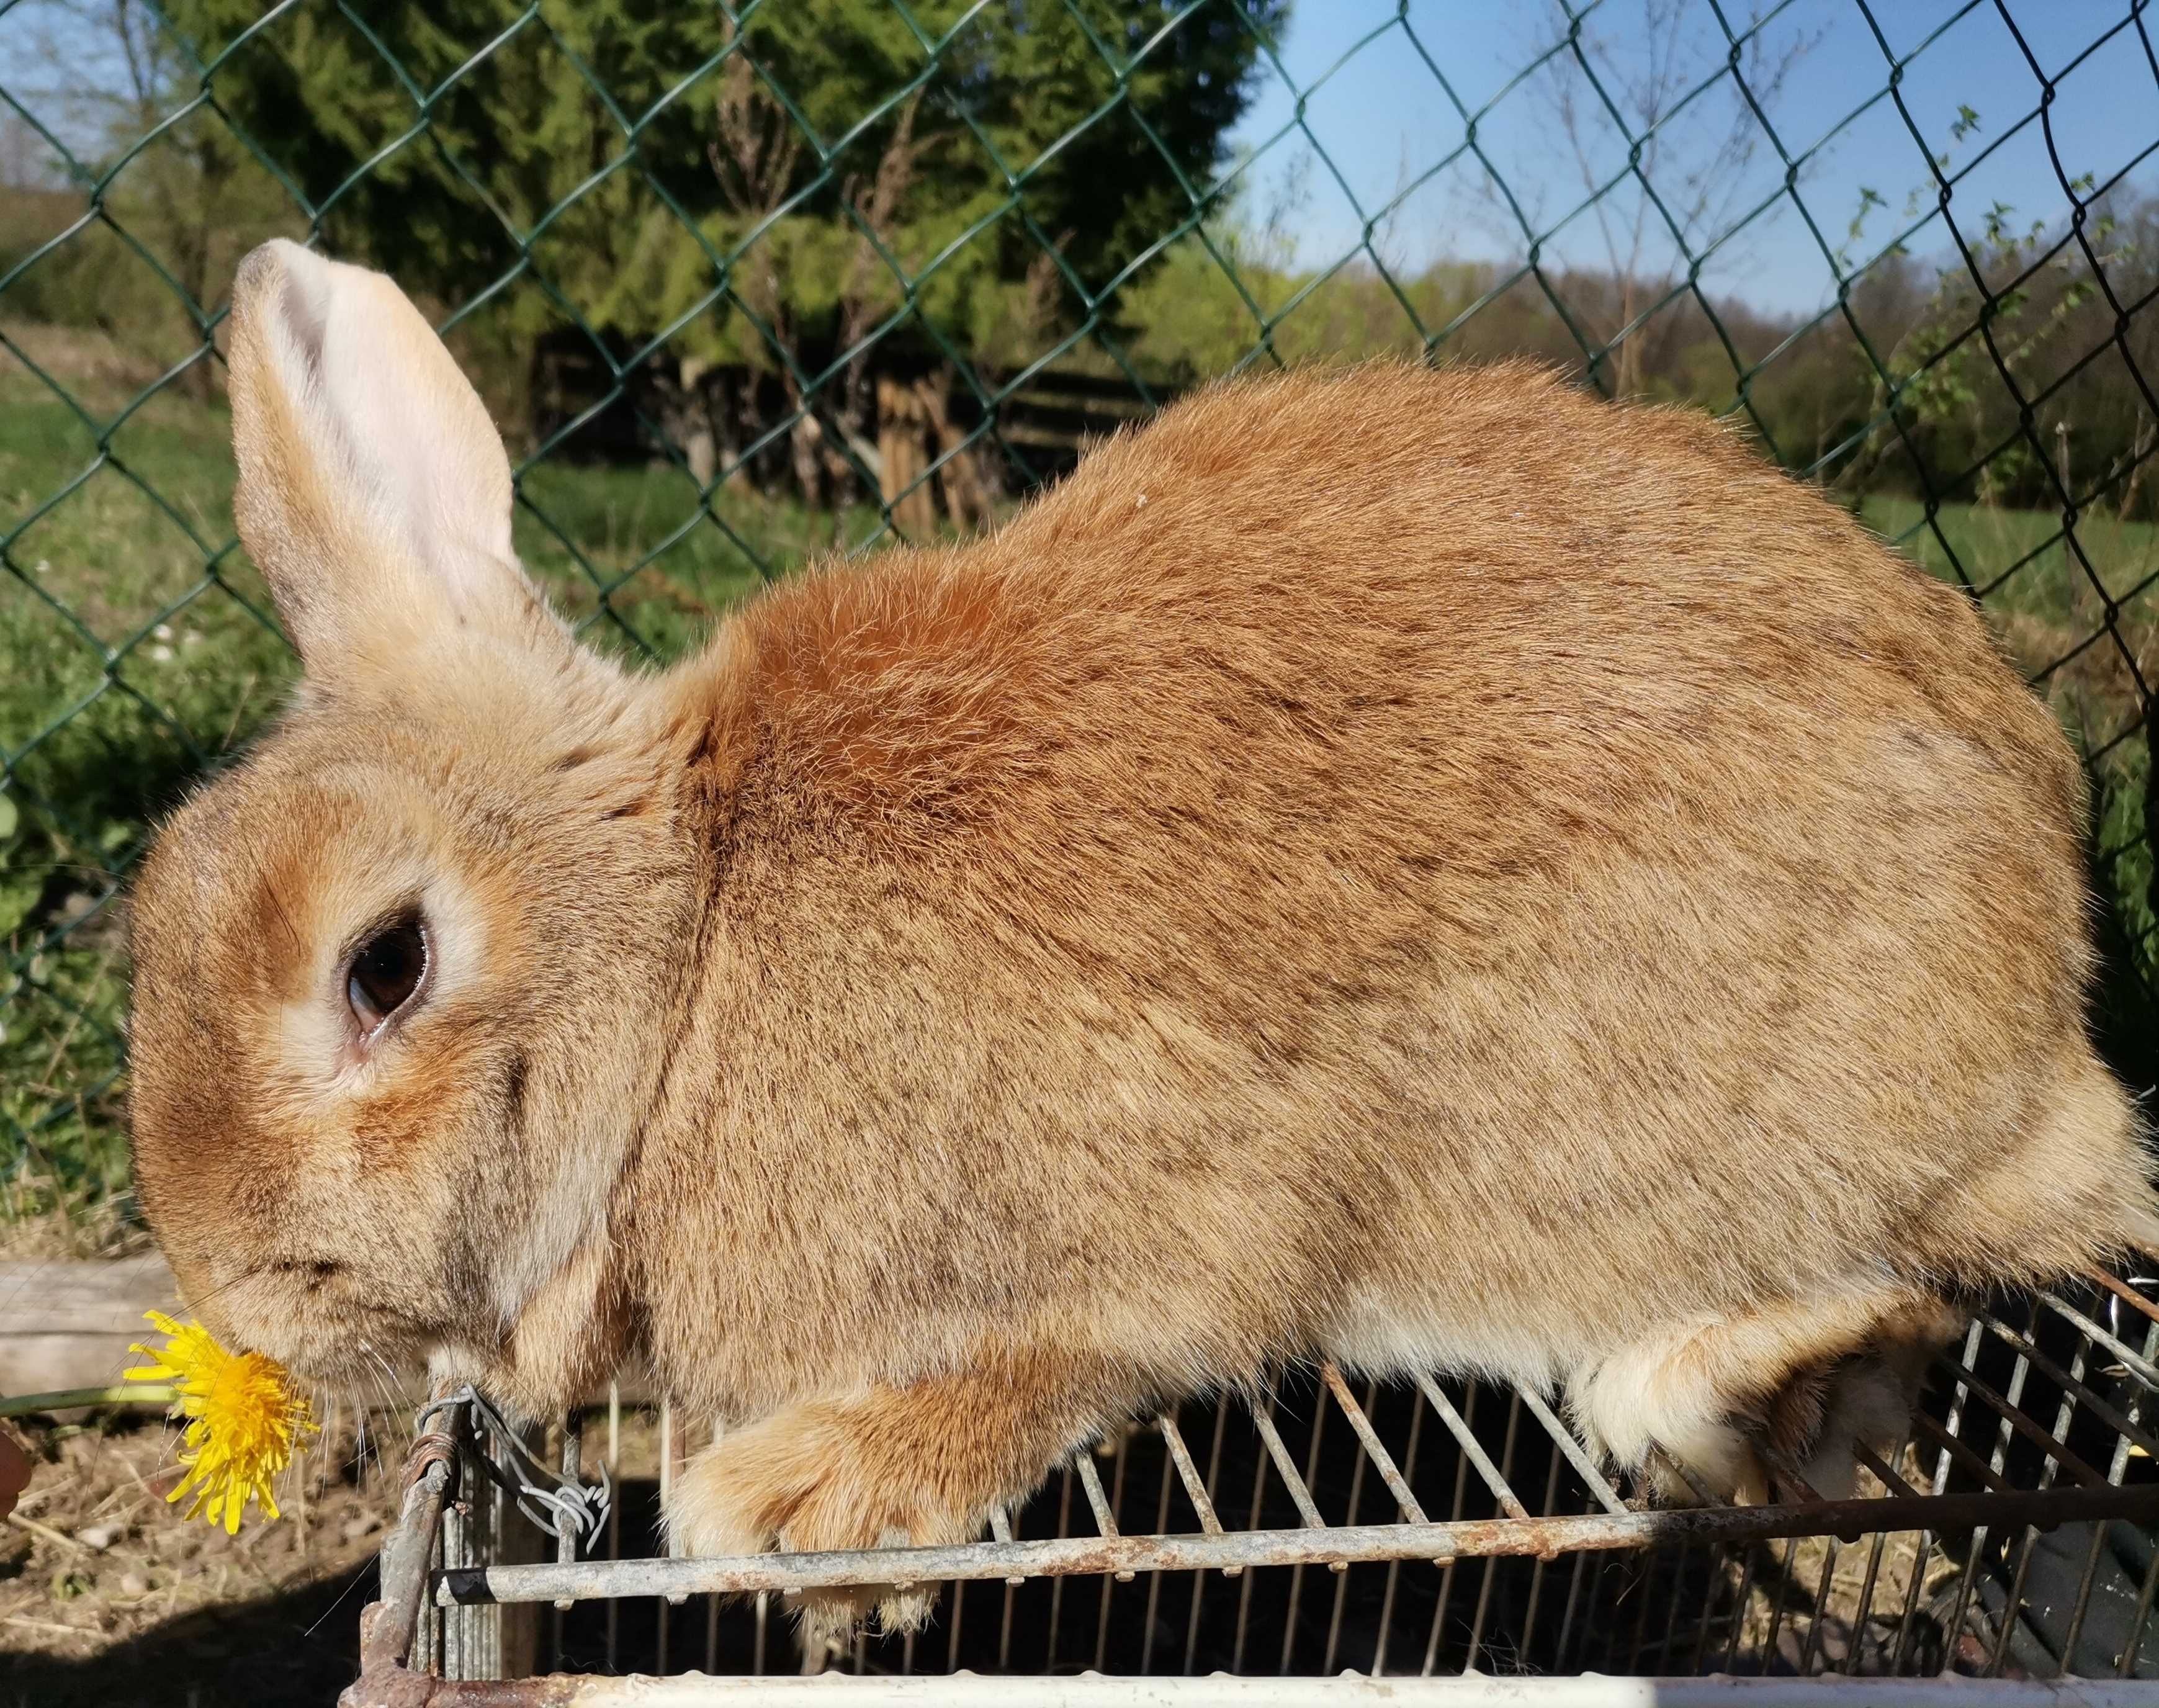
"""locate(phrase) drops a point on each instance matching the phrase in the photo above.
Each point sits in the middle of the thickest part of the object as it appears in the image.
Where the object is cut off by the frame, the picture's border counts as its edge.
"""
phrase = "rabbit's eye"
(387, 971)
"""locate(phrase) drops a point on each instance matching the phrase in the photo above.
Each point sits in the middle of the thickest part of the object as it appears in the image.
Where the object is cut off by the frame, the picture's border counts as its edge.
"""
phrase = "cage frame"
(436, 1637)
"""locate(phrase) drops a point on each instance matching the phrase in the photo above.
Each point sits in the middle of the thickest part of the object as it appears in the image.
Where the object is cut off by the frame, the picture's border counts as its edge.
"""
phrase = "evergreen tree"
(767, 185)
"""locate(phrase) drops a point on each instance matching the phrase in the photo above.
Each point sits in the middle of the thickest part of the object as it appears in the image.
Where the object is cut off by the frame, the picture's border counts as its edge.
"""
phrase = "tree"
(770, 186)
(1698, 170)
(186, 199)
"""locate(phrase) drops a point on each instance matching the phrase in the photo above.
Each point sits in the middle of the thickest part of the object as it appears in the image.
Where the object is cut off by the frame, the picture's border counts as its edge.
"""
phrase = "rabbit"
(1416, 867)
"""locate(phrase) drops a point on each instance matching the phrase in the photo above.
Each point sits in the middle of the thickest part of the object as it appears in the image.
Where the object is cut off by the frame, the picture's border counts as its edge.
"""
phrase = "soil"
(108, 1597)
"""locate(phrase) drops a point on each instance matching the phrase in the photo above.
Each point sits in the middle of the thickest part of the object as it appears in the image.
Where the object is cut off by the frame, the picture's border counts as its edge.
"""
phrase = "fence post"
(900, 423)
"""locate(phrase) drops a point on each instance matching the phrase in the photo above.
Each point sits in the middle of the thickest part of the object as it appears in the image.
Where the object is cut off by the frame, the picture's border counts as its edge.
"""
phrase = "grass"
(136, 650)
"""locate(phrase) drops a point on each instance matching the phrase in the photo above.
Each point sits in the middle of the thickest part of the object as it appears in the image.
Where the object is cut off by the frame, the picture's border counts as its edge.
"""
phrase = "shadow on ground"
(298, 1649)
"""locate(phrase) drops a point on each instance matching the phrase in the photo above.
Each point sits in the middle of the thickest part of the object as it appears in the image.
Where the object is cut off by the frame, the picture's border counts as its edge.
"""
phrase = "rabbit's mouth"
(368, 1354)
(315, 1317)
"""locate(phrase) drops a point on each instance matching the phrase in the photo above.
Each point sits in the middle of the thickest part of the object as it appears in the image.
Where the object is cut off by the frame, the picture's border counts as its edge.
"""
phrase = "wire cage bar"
(1337, 1527)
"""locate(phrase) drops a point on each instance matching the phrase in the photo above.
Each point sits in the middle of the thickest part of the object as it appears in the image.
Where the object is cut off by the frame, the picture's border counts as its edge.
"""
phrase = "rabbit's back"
(1400, 833)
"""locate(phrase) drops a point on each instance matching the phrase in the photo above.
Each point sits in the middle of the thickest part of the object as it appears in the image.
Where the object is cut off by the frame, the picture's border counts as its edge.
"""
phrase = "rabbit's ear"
(374, 494)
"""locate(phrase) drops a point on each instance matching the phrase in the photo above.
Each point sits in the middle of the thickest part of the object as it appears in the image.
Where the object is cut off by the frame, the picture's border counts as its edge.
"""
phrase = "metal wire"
(2011, 1440)
(570, 1510)
(48, 972)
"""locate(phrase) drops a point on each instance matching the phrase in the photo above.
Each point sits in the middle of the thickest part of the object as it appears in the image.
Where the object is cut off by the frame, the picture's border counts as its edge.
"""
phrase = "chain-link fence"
(746, 282)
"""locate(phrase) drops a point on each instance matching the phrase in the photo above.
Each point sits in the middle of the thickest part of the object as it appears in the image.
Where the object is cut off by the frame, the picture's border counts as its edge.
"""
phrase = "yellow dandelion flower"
(243, 1419)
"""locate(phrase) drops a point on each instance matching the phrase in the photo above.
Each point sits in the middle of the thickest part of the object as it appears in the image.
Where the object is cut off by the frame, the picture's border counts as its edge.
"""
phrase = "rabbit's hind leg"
(1865, 1395)
(1802, 1378)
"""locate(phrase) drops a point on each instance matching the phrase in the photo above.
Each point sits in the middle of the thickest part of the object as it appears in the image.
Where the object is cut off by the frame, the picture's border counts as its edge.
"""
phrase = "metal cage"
(1355, 1532)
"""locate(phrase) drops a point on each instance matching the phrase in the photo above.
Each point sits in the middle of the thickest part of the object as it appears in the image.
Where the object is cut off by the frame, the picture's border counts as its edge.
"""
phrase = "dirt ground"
(108, 1597)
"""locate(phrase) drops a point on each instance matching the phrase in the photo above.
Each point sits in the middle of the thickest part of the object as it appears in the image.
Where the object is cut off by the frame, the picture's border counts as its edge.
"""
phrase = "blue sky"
(1382, 118)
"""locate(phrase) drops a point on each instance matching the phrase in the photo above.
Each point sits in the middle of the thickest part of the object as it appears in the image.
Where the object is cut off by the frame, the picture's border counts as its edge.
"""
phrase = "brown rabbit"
(1421, 868)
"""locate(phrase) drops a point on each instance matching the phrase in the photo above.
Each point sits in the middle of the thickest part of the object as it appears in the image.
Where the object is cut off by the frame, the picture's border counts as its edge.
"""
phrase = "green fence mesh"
(745, 283)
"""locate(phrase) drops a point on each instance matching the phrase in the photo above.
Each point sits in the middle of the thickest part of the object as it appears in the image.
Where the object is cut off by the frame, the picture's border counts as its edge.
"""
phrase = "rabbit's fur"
(1424, 868)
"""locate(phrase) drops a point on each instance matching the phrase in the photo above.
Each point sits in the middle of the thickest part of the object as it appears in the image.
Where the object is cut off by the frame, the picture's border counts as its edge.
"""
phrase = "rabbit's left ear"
(373, 493)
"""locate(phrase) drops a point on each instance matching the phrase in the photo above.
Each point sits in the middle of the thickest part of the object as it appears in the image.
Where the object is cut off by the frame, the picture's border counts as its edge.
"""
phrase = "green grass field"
(132, 655)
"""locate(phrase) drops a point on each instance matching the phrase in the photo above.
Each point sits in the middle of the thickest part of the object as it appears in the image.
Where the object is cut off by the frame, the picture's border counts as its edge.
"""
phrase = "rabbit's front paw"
(816, 1478)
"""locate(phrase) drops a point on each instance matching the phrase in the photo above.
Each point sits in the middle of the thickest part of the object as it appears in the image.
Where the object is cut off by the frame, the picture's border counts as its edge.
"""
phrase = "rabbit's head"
(399, 974)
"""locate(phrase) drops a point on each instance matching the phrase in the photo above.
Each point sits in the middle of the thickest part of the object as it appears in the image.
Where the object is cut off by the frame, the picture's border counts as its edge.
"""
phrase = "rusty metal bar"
(1949, 1445)
(1434, 1636)
(1954, 1447)
(1001, 1529)
(425, 1654)
(2117, 1468)
(1913, 1586)
(1109, 1590)
(2091, 1400)
(1212, 1480)
(1999, 1461)
(1589, 1580)
(1741, 1600)
(453, 1529)
(1783, 1593)
(1855, 1658)
(1260, 1466)
(1510, 1503)
(2127, 1294)
(1469, 1538)
(566, 1546)
(386, 1626)
(1297, 1573)
(1564, 1439)
(713, 1603)
(1090, 1480)
(1098, 1501)
(1154, 1580)
(1701, 1490)
(1891, 1479)
(2065, 1412)
(614, 1515)
(1716, 1561)
(1489, 1571)
(1364, 1463)
(463, 1590)
(1958, 1395)
(1541, 1570)
(952, 1636)
(2138, 1366)
(1673, 1607)
(670, 1458)
(694, 1691)
(1306, 1509)
(1382, 1461)
(1188, 1474)
(1394, 1566)
(389, 1627)
(2032, 1429)
(1057, 1584)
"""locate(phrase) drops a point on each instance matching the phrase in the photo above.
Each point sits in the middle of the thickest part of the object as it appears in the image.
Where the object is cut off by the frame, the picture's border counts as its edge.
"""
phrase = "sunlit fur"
(1426, 867)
